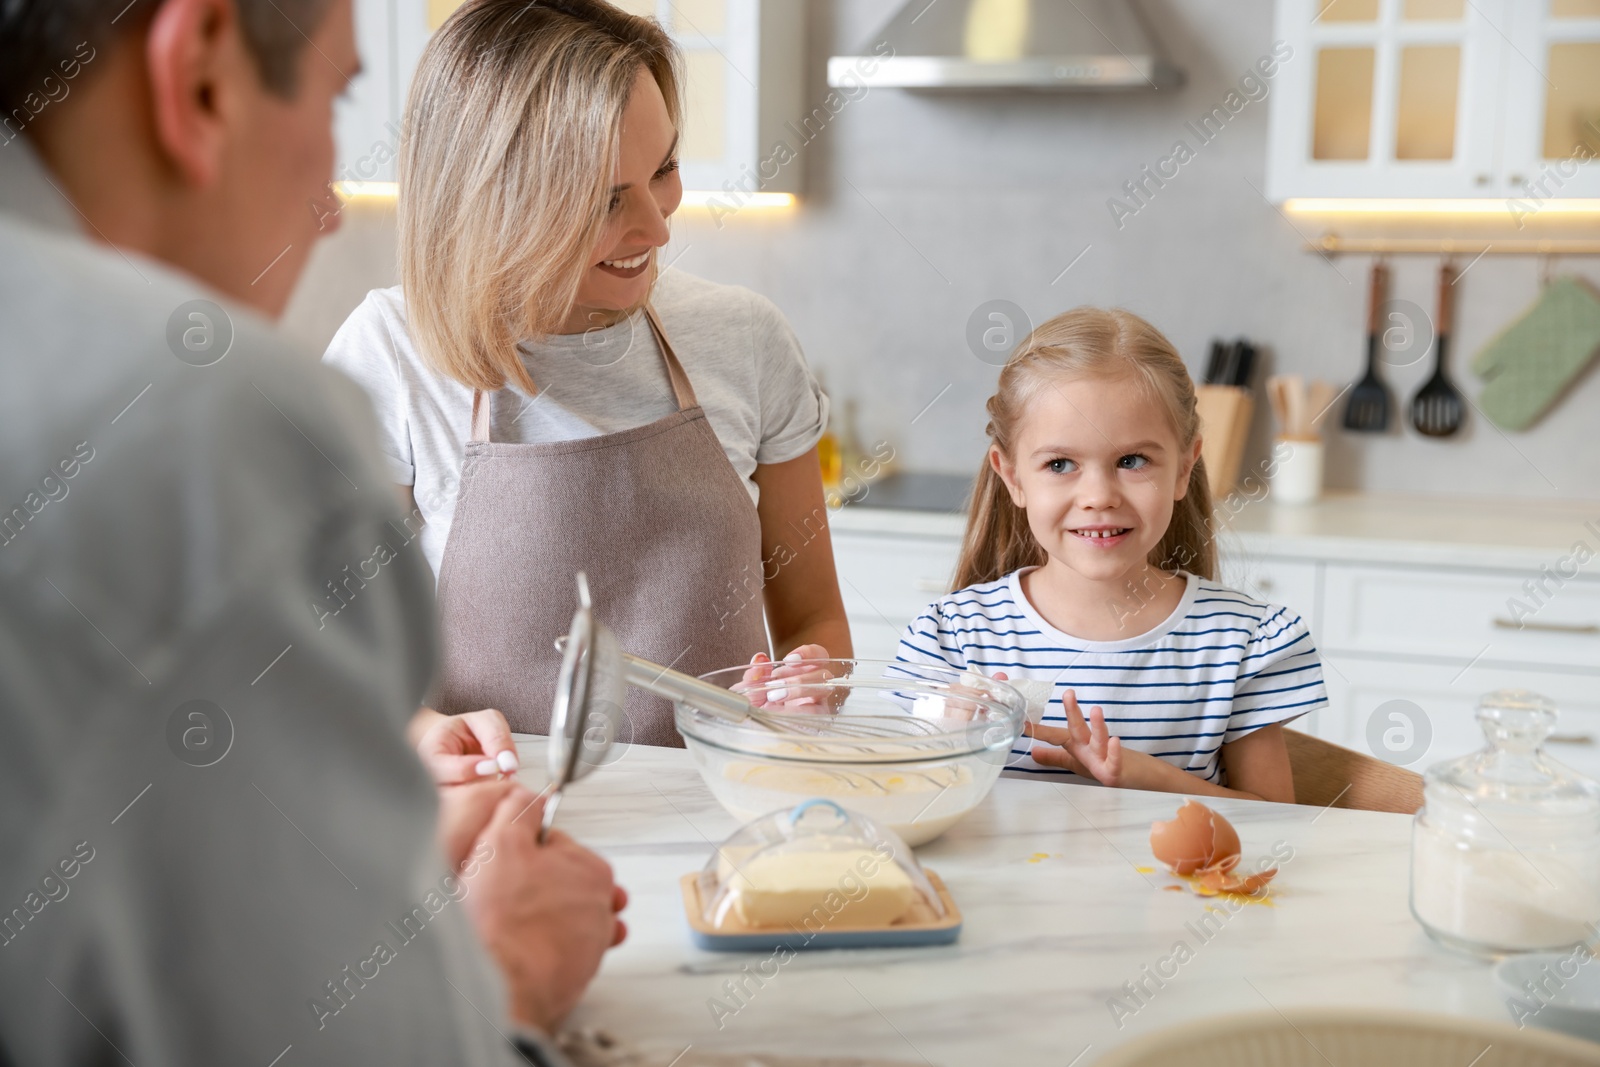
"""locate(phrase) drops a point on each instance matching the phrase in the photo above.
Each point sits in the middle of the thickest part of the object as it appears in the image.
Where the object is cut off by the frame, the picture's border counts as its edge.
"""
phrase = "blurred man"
(217, 846)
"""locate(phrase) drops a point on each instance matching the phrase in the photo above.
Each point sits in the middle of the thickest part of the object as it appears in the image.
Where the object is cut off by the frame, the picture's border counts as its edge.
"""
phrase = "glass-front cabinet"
(742, 65)
(1436, 98)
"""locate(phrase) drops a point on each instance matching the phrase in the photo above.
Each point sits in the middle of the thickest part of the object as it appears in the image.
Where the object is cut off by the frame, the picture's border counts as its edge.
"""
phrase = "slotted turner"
(1437, 410)
(1367, 410)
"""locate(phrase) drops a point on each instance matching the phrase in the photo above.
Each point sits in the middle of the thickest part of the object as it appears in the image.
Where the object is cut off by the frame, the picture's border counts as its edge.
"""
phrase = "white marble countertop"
(1063, 904)
(1349, 527)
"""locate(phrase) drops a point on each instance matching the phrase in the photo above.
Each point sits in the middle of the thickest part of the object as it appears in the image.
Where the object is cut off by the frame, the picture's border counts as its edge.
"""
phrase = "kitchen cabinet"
(742, 68)
(1435, 602)
(1493, 99)
(886, 579)
(1447, 695)
(743, 80)
(390, 36)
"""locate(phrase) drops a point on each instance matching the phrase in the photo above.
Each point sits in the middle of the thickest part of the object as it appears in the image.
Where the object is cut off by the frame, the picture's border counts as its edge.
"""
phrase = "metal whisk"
(593, 663)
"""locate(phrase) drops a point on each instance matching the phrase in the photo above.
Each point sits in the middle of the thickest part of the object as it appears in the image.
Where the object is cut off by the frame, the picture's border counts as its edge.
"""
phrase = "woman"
(554, 401)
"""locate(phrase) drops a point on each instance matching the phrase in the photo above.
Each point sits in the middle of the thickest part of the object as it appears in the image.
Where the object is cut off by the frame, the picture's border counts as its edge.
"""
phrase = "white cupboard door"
(1553, 83)
(1386, 98)
(1417, 715)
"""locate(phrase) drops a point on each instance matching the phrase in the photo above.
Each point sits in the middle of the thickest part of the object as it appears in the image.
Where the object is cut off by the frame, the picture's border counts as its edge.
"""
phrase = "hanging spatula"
(1437, 410)
(1367, 410)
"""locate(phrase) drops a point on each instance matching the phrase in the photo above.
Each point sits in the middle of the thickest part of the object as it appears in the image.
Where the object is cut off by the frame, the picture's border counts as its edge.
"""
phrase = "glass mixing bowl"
(913, 747)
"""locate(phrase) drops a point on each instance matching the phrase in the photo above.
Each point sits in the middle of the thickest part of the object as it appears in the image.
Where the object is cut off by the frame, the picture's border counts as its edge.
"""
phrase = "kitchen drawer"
(1289, 582)
(1460, 614)
(1448, 696)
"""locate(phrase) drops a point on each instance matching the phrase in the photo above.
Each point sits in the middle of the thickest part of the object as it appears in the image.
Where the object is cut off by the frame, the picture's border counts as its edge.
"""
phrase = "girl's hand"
(467, 748)
(957, 704)
(799, 675)
(1085, 748)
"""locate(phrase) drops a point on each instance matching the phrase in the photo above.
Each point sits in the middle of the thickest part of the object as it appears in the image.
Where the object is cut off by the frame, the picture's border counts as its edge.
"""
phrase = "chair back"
(1326, 774)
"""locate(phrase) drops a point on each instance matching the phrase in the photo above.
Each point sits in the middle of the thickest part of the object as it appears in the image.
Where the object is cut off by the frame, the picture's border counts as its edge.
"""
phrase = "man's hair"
(41, 40)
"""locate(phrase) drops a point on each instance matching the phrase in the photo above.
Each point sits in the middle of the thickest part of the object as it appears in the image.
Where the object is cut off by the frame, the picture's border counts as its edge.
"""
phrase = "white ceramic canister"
(1297, 476)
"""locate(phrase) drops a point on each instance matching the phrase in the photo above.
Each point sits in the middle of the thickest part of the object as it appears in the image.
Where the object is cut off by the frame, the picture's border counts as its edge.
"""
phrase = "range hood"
(1073, 45)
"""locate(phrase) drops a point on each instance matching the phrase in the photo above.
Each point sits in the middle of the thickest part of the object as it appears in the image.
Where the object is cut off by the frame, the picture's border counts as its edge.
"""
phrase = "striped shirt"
(1221, 665)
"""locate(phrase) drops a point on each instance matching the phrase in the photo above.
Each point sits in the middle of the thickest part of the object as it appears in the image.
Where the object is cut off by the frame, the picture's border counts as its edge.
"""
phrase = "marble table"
(1070, 943)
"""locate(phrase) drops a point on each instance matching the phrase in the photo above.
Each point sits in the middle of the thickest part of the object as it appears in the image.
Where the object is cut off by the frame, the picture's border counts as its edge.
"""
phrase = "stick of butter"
(850, 887)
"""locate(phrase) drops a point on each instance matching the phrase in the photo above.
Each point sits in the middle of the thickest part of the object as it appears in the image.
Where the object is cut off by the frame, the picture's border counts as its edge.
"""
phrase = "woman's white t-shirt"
(741, 356)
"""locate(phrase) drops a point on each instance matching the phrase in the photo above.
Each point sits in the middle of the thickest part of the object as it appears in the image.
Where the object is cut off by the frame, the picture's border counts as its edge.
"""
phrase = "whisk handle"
(679, 687)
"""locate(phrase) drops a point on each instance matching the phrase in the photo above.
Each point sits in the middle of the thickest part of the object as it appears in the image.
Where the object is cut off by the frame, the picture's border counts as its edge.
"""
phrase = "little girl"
(1089, 567)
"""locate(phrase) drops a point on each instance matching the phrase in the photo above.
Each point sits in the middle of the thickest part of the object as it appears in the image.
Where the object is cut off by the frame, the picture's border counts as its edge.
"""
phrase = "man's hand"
(547, 913)
(464, 812)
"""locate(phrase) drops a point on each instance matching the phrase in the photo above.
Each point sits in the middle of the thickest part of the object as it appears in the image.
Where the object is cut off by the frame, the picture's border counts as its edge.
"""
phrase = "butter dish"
(816, 876)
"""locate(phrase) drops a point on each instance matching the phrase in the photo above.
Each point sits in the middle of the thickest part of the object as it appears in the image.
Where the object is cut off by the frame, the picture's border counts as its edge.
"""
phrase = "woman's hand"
(800, 677)
(1085, 748)
(465, 748)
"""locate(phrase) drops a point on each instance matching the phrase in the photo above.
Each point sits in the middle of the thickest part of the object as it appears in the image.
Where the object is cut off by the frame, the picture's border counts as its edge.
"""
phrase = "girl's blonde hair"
(1081, 342)
(507, 157)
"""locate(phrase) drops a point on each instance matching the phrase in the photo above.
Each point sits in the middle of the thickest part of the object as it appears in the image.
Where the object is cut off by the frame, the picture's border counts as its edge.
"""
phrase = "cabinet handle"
(1548, 627)
(930, 585)
(1570, 739)
(1482, 179)
(1264, 584)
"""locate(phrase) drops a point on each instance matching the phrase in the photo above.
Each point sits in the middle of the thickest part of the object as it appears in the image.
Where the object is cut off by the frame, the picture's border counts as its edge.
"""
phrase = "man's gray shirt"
(215, 844)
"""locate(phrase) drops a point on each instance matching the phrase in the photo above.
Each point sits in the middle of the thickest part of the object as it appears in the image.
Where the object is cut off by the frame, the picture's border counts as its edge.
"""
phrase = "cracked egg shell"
(1196, 839)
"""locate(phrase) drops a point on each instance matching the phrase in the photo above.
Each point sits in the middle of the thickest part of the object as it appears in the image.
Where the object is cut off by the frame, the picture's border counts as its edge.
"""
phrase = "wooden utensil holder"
(1225, 413)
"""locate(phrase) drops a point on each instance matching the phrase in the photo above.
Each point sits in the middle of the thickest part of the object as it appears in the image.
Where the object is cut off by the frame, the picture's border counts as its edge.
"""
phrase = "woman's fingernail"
(507, 760)
(778, 694)
(793, 657)
(486, 766)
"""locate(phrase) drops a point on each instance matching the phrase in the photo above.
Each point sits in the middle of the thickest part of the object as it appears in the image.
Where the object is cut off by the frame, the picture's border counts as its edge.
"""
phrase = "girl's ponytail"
(1190, 543)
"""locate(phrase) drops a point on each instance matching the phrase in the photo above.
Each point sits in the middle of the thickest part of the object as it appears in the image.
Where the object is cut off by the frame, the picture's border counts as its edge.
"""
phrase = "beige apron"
(658, 518)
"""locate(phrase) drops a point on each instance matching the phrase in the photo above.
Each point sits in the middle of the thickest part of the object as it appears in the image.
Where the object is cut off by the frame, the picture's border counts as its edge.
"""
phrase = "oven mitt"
(1530, 362)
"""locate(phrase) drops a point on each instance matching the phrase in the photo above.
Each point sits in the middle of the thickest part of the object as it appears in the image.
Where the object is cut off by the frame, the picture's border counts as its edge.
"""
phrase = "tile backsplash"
(920, 208)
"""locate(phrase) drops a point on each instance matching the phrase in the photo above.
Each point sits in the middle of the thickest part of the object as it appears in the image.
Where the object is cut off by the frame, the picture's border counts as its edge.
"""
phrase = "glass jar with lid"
(1505, 853)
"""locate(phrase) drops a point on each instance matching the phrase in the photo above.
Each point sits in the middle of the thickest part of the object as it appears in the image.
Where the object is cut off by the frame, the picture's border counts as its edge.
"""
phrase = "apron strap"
(480, 416)
(681, 389)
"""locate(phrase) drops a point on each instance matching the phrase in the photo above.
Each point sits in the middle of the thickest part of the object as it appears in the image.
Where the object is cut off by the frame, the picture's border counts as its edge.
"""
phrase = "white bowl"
(1565, 994)
(1348, 1037)
(947, 746)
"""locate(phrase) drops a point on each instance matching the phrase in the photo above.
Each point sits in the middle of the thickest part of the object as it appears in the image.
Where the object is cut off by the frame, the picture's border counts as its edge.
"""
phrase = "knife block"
(1225, 412)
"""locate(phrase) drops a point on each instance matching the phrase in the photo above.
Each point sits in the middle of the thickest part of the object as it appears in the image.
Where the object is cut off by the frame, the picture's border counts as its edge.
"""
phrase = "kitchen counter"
(1063, 906)
(1343, 526)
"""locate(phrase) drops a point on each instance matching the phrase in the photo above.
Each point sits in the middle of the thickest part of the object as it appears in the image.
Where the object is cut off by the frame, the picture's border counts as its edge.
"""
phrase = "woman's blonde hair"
(1082, 342)
(507, 157)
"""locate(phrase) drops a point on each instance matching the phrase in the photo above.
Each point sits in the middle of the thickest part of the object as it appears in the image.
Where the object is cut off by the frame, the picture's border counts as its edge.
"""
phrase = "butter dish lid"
(814, 867)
